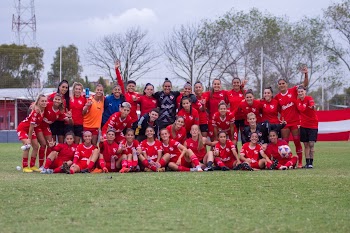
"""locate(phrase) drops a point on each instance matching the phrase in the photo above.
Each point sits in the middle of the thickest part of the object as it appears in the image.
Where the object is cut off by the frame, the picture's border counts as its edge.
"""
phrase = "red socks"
(57, 170)
(102, 163)
(32, 161)
(146, 164)
(41, 155)
(298, 148)
(194, 160)
(124, 163)
(91, 165)
(162, 162)
(219, 162)
(24, 162)
(48, 163)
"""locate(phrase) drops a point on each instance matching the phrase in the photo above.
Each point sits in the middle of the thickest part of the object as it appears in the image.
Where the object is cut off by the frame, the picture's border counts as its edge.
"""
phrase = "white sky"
(78, 22)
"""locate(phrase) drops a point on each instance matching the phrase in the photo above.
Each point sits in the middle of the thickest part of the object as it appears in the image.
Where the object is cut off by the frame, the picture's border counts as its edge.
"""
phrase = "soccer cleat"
(209, 169)
(310, 166)
(43, 171)
(41, 168)
(65, 168)
(274, 164)
(82, 171)
(283, 168)
(199, 168)
(27, 170)
(224, 168)
(161, 169)
(35, 169)
(300, 165)
(124, 170)
(46, 171)
(290, 167)
(238, 167)
(97, 170)
(247, 167)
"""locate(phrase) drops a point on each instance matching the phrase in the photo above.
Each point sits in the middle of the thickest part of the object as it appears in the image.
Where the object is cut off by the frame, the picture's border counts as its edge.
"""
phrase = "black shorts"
(203, 127)
(308, 135)
(239, 123)
(57, 128)
(78, 130)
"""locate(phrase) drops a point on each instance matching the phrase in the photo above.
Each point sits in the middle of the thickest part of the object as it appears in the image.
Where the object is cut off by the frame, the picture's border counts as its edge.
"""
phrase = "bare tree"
(135, 52)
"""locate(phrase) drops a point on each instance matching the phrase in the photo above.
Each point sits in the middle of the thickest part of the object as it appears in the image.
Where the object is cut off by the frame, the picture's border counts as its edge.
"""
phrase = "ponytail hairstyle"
(69, 133)
(270, 88)
(166, 80)
(249, 91)
(66, 95)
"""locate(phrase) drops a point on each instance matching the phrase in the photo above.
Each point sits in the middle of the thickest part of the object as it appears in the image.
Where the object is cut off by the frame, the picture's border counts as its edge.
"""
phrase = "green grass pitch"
(316, 200)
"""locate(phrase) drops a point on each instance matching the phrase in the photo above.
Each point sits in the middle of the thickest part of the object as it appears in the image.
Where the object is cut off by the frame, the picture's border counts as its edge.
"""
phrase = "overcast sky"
(78, 22)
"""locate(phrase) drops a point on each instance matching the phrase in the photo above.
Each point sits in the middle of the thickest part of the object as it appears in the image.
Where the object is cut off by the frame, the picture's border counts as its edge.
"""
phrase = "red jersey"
(34, 118)
(193, 145)
(272, 150)
(270, 111)
(214, 98)
(146, 104)
(287, 102)
(225, 152)
(251, 153)
(235, 98)
(129, 97)
(180, 134)
(151, 149)
(191, 118)
(51, 115)
(65, 152)
(203, 114)
(254, 108)
(108, 150)
(76, 105)
(83, 152)
(223, 124)
(308, 117)
(128, 148)
(172, 149)
(117, 123)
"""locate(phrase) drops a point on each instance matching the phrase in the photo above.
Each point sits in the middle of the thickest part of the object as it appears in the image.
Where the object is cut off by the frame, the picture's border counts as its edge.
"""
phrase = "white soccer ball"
(284, 151)
(18, 168)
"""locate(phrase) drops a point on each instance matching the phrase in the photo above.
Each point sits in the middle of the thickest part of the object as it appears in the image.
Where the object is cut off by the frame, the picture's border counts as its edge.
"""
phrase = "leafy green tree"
(71, 68)
(20, 66)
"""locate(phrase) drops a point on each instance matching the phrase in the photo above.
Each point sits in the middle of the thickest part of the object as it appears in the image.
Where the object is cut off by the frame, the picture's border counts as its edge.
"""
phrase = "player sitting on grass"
(83, 154)
(128, 148)
(250, 155)
(61, 156)
(279, 150)
(225, 153)
(150, 153)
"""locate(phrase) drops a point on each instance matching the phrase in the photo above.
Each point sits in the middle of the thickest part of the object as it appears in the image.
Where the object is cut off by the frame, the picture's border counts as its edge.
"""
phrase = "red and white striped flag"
(334, 125)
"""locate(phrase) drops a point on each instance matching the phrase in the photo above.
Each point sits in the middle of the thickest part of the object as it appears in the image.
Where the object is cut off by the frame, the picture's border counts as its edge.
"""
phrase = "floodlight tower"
(24, 22)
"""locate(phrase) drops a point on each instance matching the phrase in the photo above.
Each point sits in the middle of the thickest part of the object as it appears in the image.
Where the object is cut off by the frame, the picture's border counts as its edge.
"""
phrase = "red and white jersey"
(270, 111)
(203, 114)
(65, 152)
(34, 118)
(83, 152)
(223, 124)
(272, 150)
(235, 98)
(108, 150)
(76, 105)
(225, 152)
(147, 103)
(128, 147)
(255, 108)
(289, 111)
(129, 97)
(191, 118)
(193, 145)
(51, 115)
(180, 134)
(251, 153)
(117, 123)
(172, 149)
(308, 117)
(213, 101)
(151, 149)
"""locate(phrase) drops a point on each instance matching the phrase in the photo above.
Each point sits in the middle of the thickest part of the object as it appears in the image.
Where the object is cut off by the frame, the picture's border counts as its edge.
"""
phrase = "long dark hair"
(66, 95)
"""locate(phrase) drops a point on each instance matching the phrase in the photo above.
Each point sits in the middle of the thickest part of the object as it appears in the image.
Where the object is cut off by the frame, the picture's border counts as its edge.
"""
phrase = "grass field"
(301, 200)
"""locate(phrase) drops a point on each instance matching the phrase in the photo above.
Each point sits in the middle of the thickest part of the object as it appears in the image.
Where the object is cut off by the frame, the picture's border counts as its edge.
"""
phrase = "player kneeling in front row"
(177, 155)
(250, 155)
(61, 157)
(279, 150)
(225, 153)
(128, 149)
(83, 154)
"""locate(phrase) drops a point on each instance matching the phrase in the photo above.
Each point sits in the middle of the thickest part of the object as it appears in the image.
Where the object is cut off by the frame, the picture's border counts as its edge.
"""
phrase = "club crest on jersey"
(154, 101)
(171, 97)
(272, 107)
(240, 95)
(289, 95)
(115, 150)
(80, 102)
(227, 149)
(254, 109)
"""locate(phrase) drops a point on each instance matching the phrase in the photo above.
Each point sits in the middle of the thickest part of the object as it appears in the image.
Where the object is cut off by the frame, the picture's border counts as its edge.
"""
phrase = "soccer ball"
(284, 151)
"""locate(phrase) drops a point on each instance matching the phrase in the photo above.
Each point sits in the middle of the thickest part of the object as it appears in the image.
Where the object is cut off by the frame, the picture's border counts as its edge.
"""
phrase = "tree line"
(232, 45)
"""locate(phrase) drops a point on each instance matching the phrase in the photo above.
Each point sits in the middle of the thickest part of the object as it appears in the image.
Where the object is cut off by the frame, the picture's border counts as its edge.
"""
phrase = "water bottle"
(87, 93)
(134, 155)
